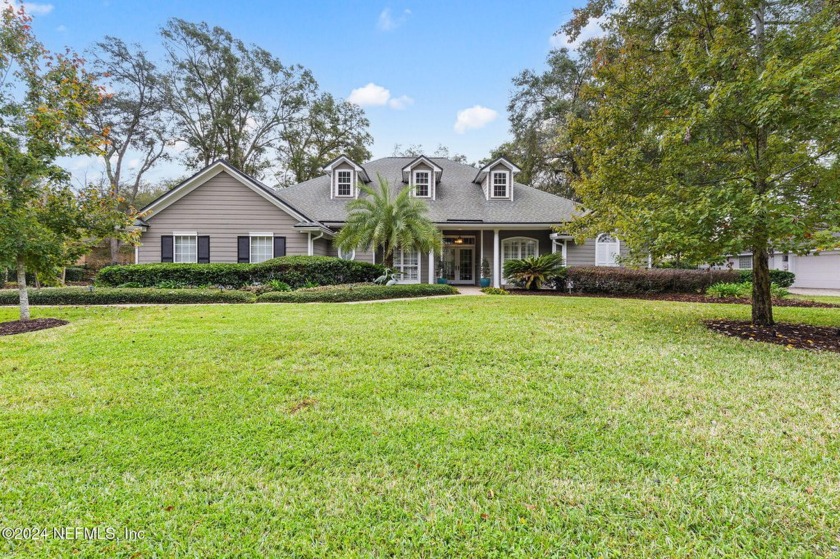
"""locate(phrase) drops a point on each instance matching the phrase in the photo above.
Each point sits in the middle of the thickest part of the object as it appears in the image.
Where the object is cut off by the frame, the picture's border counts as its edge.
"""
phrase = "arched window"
(517, 248)
(607, 250)
(346, 254)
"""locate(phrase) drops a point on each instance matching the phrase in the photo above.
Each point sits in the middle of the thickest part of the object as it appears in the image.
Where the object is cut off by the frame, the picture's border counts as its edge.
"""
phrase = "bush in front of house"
(296, 271)
(347, 293)
(494, 291)
(628, 281)
(117, 296)
(742, 290)
(534, 271)
(782, 278)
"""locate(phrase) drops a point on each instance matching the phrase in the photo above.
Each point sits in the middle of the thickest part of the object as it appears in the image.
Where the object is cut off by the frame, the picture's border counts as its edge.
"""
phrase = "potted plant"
(441, 266)
(486, 276)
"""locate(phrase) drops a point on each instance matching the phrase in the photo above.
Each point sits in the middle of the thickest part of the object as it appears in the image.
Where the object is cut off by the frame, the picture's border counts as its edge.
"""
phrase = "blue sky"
(427, 60)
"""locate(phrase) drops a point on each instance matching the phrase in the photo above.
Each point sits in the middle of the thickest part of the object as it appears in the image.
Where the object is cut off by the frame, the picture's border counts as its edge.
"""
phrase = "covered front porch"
(466, 248)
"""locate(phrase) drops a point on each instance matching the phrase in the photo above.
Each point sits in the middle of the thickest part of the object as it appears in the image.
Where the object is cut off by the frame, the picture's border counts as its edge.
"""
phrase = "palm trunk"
(24, 294)
(762, 302)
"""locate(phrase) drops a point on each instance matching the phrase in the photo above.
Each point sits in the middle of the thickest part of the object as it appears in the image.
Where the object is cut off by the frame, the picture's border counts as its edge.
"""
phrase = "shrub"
(345, 293)
(77, 273)
(782, 278)
(534, 271)
(494, 291)
(115, 296)
(743, 290)
(130, 285)
(590, 279)
(296, 271)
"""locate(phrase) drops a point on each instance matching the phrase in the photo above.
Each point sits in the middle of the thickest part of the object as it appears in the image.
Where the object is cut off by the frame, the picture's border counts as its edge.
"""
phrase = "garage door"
(820, 271)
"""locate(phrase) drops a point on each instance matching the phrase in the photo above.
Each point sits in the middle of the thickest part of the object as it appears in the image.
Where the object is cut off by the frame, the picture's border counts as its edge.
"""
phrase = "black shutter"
(204, 249)
(167, 249)
(243, 250)
(279, 246)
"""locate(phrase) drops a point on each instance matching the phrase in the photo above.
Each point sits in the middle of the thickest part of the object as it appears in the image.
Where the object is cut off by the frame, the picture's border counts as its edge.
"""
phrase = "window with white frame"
(347, 254)
(500, 184)
(186, 249)
(607, 250)
(344, 183)
(517, 248)
(262, 248)
(745, 262)
(407, 262)
(422, 184)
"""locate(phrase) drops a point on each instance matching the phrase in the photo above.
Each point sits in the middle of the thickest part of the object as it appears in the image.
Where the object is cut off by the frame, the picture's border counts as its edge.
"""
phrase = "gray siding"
(584, 254)
(222, 208)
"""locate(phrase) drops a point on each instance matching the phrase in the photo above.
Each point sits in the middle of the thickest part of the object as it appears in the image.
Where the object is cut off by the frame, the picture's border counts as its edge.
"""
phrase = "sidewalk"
(823, 292)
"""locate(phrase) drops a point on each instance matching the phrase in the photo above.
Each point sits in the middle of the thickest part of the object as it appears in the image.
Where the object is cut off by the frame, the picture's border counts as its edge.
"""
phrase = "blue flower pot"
(484, 282)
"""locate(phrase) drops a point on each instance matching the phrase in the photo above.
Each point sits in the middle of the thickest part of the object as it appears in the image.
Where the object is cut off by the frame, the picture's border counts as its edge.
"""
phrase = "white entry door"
(459, 264)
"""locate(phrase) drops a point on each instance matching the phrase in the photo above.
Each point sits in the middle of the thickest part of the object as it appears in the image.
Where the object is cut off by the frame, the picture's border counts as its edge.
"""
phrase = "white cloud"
(61, 28)
(401, 102)
(31, 8)
(474, 117)
(373, 95)
(590, 31)
(387, 22)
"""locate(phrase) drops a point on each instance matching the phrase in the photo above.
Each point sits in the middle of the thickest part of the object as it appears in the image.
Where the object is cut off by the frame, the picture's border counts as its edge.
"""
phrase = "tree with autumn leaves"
(715, 129)
(45, 99)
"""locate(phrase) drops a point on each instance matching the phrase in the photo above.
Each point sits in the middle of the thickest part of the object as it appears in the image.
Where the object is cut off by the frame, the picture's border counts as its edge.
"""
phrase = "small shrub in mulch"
(18, 327)
(792, 336)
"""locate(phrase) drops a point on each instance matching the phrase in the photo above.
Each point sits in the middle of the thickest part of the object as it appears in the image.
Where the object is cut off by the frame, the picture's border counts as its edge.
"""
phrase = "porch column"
(497, 260)
(431, 266)
(309, 248)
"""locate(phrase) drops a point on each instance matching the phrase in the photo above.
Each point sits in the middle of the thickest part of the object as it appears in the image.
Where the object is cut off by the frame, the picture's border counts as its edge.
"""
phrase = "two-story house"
(222, 215)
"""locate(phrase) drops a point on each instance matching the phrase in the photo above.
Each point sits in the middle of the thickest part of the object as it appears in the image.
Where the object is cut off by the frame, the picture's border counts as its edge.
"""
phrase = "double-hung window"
(745, 262)
(185, 249)
(607, 250)
(500, 184)
(408, 263)
(262, 248)
(344, 183)
(422, 184)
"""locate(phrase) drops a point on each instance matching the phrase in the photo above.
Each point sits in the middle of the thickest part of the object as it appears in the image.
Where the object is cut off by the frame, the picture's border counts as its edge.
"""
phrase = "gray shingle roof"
(457, 197)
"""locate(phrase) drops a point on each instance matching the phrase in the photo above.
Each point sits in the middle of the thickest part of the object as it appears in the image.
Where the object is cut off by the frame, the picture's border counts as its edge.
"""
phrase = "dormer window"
(344, 183)
(500, 184)
(422, 184)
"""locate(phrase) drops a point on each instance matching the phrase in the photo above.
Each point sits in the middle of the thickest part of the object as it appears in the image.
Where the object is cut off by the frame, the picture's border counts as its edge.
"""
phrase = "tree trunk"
(762, 303)
(115, 251)
(24, 294)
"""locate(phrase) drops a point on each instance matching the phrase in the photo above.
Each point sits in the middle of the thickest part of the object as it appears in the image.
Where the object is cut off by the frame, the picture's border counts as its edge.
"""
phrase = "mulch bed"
(18, 327)
(792, 336)
(678, 297)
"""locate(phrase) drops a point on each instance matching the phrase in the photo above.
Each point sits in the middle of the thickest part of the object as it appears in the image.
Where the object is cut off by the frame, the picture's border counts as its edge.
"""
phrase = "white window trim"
(175, 235)
(251, 245)
(414, 174)
(335, 181)
(419, 270)
(492, 188)
(502, 252)
(617, 243)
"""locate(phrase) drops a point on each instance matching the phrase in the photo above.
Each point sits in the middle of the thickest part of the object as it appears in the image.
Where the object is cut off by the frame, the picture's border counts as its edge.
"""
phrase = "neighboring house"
(222, 215)
(815, 271)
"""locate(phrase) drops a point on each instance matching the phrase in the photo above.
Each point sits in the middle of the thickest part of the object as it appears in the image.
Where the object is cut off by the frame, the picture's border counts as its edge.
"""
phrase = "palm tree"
(391, 222)
(534, 271)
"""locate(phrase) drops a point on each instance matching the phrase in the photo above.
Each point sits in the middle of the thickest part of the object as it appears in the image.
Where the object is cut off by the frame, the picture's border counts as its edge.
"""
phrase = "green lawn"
(458, 427)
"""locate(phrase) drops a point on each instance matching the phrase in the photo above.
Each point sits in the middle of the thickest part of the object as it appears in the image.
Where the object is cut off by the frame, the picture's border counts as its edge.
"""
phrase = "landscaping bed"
(17, 327)
(345, 294)
(792, 336)
(677, 297)
(118, 296)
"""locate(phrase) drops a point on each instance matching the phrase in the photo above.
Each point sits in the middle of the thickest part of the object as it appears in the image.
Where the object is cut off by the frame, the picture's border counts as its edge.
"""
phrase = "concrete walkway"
(469, 290)
(823, 292)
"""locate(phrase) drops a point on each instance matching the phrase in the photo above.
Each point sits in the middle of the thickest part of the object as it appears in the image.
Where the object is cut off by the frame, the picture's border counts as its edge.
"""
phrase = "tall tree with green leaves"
(540, 108)
(134, 111)
(327, 129)
(44, 102)
(717, 129)
(382, 220)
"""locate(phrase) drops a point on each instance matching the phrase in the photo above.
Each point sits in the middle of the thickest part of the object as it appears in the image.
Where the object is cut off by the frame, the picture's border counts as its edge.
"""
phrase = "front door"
(459, 264)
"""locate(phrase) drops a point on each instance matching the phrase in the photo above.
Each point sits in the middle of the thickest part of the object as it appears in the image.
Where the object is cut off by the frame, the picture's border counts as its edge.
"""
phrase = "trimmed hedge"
(341, 294)
(296, 271)
(113, 296)
(588, 279)
(782, 278)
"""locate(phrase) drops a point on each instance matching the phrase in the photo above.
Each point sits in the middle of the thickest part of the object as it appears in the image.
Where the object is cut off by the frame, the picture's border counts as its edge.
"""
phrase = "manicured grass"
(457, 427)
